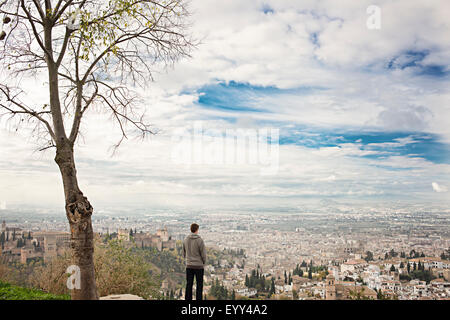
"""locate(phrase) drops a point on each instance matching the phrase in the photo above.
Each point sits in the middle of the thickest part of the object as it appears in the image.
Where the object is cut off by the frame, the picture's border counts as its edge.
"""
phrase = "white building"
(353, 266)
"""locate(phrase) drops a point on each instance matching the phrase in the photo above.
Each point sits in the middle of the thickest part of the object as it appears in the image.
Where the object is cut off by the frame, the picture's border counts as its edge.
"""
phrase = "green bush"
(9, 292)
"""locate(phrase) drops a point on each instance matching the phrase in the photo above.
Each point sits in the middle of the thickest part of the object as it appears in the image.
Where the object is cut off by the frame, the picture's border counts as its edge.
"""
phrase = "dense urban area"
(336, 252)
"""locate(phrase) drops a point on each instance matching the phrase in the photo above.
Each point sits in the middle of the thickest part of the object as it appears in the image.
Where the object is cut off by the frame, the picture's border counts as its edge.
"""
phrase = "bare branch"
(14, 106)
(33, 27)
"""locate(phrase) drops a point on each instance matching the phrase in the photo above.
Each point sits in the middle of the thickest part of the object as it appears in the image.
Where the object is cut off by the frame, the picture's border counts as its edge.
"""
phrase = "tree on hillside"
(272, 287)
(446, 254)
(2, 239)
(218, 291)
(369, 256)
(392, 253)
(256, 280)
(90, 53)
(298, 271)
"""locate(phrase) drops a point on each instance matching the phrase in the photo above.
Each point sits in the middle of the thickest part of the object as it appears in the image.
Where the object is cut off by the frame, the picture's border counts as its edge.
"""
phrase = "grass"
(10, 292)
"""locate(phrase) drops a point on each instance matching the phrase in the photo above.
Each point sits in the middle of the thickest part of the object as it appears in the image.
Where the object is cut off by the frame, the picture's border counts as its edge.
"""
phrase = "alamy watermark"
(255, 147)
(74, 281)
(374, 20)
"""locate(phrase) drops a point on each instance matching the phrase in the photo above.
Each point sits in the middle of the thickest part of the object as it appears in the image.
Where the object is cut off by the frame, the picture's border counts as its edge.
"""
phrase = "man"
(195, 253)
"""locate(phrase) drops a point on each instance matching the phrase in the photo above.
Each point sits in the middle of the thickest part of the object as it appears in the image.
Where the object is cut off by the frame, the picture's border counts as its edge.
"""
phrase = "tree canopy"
(99, 51)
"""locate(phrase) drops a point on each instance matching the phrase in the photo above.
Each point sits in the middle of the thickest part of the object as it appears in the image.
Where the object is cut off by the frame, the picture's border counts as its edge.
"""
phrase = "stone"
(122, 297)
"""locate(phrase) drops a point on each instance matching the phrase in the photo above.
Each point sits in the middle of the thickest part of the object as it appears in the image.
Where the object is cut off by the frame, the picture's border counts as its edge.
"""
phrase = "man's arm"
(203, 251)
(184, 251)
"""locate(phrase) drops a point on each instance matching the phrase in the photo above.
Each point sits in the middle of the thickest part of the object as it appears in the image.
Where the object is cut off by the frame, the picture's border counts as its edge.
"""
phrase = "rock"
(122, 297)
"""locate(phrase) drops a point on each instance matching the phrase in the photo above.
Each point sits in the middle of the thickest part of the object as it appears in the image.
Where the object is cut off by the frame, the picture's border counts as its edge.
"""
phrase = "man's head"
(194, 228)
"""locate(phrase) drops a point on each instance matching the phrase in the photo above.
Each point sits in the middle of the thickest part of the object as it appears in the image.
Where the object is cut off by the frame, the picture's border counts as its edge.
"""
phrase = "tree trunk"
(78, 208)
(78, 211)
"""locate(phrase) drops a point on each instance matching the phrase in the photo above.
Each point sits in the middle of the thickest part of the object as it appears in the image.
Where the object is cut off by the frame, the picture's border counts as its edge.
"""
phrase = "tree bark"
(78, 211)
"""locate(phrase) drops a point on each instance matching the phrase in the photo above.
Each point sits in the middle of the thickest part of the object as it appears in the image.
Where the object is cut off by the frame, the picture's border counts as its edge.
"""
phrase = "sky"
(353, 113)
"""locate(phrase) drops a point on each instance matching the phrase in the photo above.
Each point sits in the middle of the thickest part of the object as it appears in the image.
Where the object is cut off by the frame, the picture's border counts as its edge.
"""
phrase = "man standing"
(195, 253)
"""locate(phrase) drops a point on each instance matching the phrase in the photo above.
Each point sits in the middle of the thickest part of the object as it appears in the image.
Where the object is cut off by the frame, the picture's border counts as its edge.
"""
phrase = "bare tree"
(91, 53)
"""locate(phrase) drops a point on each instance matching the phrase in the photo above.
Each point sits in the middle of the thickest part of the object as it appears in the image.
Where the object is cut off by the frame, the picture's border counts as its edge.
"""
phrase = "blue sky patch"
(240, 97)
(407, 60)
(416, 145)
(414, 59)
(267, 9)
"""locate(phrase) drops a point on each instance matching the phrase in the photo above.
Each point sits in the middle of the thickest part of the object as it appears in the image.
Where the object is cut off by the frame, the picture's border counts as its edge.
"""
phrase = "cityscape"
(401, 252)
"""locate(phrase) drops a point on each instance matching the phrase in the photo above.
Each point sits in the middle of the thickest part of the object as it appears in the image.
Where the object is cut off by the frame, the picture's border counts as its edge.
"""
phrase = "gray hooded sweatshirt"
(194, 251)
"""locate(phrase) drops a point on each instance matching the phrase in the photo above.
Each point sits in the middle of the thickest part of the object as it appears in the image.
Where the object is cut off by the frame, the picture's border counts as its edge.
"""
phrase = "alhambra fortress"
(160, 240)
(24, 245)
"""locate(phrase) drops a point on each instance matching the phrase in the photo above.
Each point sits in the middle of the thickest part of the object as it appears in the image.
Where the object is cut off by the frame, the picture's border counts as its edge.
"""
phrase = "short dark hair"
(194, 227)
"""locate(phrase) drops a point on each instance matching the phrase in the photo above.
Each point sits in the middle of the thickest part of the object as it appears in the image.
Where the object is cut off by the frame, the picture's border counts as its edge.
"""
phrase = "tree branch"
(24, 110)
(33, 27)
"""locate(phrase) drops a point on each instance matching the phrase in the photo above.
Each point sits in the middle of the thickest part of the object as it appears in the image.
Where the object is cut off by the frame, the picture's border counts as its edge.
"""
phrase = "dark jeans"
(198, 273)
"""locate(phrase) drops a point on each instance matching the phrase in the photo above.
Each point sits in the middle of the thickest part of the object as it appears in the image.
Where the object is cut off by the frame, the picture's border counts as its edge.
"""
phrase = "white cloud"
(243, 44)
(438, 188)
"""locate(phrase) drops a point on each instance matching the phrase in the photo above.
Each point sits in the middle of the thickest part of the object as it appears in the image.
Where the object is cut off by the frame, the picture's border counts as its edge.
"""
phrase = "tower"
(330, 288)
(4, 226)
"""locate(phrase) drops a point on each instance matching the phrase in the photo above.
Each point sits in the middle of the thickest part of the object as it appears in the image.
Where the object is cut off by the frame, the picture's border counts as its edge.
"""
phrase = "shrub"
(9, 292)
(118, 270)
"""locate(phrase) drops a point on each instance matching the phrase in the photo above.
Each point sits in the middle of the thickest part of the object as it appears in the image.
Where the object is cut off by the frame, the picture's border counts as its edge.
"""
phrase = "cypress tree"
(272, 287)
